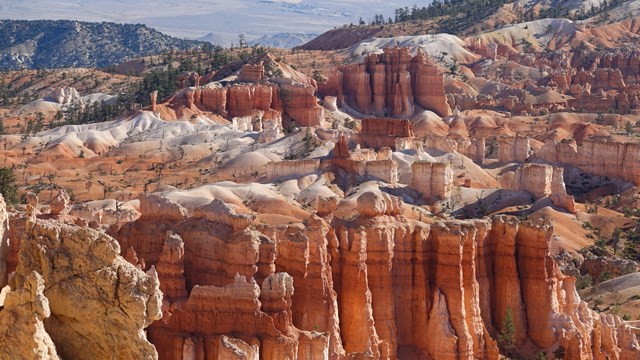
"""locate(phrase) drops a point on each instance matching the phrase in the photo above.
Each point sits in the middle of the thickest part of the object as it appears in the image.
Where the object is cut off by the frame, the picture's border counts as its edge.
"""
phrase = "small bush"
(583, 282)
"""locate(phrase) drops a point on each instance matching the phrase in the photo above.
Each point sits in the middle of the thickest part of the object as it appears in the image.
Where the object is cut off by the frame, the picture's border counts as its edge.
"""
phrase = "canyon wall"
(389, 84)
(72, 296)
(433, 180)
(292, 168)
(541, 180)
(597, 157)
(254, 96)
(377, 133)
(512, 149)
(379, 285)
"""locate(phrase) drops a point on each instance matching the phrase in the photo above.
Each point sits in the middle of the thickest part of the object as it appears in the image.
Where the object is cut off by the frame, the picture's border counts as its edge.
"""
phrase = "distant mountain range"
(283, 40)
(194, 19)
(63, 43)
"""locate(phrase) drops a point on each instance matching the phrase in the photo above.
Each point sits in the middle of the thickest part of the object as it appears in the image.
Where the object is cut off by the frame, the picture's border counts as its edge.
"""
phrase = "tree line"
(462, 14)
(164, 80)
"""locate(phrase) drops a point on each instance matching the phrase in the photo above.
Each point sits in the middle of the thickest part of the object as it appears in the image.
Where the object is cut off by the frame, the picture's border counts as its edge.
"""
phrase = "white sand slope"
(440, 46)
(544, 33)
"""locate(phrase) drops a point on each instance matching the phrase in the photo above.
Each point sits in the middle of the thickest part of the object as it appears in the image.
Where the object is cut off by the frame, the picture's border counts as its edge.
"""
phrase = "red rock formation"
(154, 99)
(193, 78)
(428, 86)
(377, 133)
(390, 84)
(559, 194)
(244, 100)
(597, 157)
(251, 73)
(433, 180)
(473, 148)
(541, 180)
(213, 97)
(604, 81)
(377, 286)
(60, 203)
(513, 149)
(598, 101)
(4, 242)
(301, 104)
(170, 268)
(341, 149)
(292, 168)
(291, 98)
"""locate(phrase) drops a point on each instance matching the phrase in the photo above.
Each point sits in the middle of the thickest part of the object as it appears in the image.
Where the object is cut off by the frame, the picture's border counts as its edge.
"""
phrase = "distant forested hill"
(62, 43)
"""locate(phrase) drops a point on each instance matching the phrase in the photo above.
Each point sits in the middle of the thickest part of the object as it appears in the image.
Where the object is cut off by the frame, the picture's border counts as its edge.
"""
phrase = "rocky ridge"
(71, 295)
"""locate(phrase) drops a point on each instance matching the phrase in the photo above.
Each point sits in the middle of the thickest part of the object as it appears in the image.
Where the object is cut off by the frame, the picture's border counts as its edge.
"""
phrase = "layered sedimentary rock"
(598, 101)
(383, 132)
(433, 180)
(366, 164)
(559, 194)
(602, 78)
(597, 157)
(301, 104)
(512, 149)
(153, 97)
(596, 266)
(385, 170)
(72, 295)
(624, 59)
(251, 72)
(295, 168)
(474, 148)
(22, 334)
(63, 96)
(389, 84)
(534, 178)
(170, 267)
(376, 286)
(254, 97)
(602, 81)
(247, 99)
(240, 300)
(541, 180)
(100, 304)
(213, 96)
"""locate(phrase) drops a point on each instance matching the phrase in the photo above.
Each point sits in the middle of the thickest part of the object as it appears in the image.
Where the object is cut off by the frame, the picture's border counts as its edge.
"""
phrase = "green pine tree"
(8, 187)
(507, 336)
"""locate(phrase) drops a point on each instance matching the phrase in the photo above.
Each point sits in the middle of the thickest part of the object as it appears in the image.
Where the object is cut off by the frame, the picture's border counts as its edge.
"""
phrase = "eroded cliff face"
(380, 285)
(72, 295)
(596, 156)
(390, 84)
(604, 158)
(290, 96)
(23, 335)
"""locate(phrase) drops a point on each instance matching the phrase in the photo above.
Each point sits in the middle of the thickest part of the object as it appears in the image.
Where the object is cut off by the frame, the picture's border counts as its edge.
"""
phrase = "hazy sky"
(224, 18)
